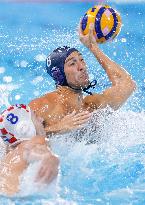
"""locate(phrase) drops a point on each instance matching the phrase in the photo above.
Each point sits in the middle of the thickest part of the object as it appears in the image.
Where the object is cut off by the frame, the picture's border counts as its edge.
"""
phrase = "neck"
(70, 98)
(68, 89)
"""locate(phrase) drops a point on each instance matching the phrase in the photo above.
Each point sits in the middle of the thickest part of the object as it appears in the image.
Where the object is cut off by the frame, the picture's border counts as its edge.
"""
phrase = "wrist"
(93, 47)
(54, 128)
(61, 126)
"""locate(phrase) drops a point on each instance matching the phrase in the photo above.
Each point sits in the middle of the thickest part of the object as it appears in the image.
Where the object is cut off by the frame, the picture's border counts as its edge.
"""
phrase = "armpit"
(93, 102)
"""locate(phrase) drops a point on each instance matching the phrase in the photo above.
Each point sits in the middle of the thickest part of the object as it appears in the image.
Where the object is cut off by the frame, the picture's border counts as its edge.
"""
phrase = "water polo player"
(64, 108)
(23, 132)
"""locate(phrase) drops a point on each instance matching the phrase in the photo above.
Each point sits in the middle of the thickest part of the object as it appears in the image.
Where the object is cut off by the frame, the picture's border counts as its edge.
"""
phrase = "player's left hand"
(48, 169)
(89, 39)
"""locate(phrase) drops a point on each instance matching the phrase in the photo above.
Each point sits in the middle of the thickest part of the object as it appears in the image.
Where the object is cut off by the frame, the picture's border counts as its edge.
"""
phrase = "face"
(38, 123)
(76, 71)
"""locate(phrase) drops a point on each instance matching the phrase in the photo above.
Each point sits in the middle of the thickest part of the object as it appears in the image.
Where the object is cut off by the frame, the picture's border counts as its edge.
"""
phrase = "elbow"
(130, 85)
(133, 85)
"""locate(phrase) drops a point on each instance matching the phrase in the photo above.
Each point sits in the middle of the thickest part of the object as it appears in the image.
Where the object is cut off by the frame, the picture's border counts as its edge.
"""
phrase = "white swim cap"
(16, 124)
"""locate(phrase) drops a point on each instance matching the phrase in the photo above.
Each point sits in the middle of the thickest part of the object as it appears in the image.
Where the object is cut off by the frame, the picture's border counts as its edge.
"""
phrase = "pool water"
(107, 166)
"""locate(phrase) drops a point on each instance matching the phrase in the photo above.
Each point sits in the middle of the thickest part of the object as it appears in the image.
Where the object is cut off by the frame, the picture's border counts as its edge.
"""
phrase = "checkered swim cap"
(16, 124)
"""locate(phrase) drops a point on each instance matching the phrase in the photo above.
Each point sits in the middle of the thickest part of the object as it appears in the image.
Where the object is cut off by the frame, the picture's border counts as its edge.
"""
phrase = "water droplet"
(40, 57)
(17, 97)
(7, 79)
(2, 69)
(123, 40)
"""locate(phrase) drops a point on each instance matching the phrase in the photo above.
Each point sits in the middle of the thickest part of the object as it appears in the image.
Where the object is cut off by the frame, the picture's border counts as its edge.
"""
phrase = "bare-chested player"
(66, 108)
(24, 134)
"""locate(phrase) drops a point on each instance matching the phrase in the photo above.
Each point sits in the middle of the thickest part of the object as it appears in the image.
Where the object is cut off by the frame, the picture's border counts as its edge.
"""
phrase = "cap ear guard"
(16, 124)
(25, 129)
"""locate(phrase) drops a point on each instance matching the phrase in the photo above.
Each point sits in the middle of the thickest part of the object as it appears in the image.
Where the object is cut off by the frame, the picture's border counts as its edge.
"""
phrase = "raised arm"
(122, 84)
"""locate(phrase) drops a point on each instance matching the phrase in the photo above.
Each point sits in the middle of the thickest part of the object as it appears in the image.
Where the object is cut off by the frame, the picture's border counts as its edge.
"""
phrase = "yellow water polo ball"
(107, 22)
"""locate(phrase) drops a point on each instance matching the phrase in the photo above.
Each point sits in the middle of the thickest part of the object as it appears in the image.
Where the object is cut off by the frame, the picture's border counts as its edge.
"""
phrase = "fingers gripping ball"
(107, 23)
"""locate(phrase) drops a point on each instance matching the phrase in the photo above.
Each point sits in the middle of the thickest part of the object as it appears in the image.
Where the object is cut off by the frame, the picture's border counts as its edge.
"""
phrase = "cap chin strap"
(91, 85)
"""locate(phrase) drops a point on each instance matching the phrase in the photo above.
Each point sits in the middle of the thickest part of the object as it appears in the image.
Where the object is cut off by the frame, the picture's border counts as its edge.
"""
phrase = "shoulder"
(46, 99)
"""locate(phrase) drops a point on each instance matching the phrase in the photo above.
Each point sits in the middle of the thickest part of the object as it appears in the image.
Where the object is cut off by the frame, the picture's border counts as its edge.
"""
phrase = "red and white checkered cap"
(16, 124)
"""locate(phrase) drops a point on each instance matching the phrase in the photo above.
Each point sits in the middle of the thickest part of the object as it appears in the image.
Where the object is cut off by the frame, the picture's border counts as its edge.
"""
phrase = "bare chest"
(61, 109)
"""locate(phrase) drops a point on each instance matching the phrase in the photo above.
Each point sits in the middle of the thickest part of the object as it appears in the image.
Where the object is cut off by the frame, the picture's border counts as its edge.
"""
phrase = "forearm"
(69, 122)
(113, 70)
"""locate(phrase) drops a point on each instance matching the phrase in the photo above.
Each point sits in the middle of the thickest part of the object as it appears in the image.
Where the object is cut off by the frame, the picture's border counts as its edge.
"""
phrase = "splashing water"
(102, 163)
(112, 169)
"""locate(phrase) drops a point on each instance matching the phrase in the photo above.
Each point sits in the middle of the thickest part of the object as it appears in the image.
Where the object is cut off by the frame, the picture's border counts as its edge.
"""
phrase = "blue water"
(113, 170)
